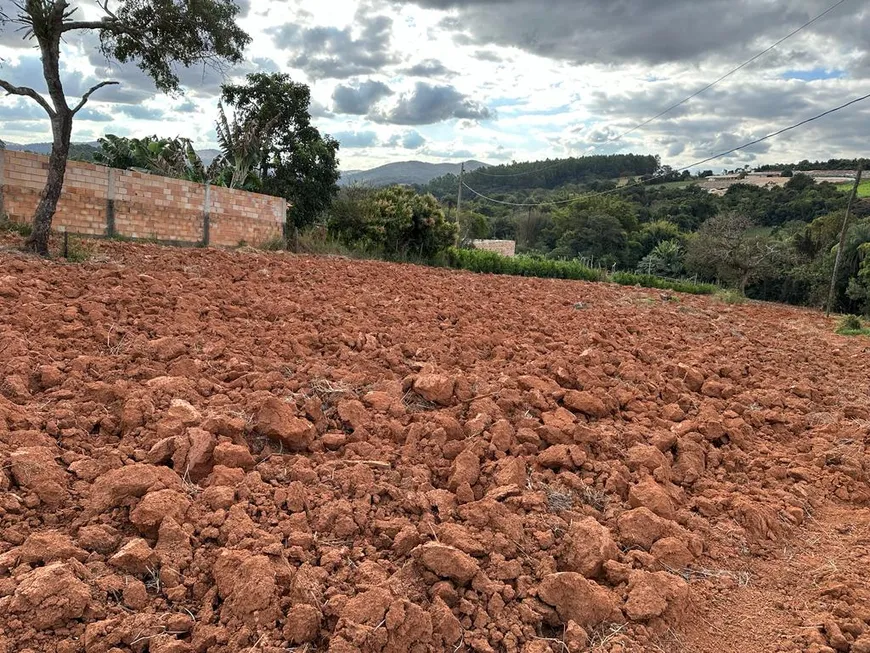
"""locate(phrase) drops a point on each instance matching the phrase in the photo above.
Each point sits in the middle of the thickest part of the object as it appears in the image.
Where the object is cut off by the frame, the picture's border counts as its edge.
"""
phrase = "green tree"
(297, 163)
(733, 249)
(799, 182)
(351, 217)
(472, 226)
(594, 236)
(858, 289)
(532, 229)
(595, 227)
(394, 222)
(155, 34)
(502, 228)
(624, 211)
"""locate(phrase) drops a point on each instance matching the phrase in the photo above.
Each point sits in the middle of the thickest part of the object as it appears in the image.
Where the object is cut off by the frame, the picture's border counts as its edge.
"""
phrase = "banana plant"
(241, 149)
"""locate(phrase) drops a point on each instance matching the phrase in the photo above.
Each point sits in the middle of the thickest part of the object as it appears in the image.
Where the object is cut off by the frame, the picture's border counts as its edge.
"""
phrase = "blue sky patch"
(814, 74)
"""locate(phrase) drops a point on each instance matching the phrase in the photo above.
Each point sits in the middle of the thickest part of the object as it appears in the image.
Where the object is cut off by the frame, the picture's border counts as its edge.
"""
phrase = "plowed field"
(240, 451)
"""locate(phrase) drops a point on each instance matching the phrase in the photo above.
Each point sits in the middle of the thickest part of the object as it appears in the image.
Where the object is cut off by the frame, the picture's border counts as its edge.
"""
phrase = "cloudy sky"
(502, 80)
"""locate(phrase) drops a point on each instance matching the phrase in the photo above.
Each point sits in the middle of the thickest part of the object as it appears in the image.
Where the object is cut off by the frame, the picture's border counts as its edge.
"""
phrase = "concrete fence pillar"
(2, 181)
(110, 203)
(206, 215)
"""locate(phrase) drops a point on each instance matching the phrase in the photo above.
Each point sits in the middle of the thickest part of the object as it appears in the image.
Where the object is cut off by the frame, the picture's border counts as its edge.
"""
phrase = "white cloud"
(549, 83)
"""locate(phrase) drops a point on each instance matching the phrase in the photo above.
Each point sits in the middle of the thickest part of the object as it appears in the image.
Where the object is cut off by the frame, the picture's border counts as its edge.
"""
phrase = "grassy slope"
(863, 189)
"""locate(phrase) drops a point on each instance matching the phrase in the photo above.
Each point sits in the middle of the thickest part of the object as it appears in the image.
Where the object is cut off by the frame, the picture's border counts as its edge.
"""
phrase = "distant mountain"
(404, 172)
(208, 156)
(84, 151)
(77, 151)
(36, 148)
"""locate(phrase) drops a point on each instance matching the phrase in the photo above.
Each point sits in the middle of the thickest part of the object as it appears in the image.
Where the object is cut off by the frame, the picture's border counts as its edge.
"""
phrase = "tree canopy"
(296, 162)
(547, 175)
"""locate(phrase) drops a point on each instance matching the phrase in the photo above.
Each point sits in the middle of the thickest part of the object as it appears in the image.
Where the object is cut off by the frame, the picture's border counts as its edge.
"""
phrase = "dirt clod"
(50, 596)
(278, 420)
(580, 600)
(447, 562)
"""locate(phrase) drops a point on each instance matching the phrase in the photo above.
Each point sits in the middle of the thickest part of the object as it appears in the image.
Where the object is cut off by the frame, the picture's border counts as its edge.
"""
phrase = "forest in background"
(775, 244)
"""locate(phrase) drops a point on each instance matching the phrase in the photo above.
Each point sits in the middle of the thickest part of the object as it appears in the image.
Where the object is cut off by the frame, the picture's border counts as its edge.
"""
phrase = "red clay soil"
(240, 451)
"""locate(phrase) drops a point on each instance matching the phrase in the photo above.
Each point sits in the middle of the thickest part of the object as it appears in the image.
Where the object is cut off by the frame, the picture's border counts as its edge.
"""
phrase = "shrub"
(20, 228)
(476, 260)
(652, 281)
(665, 259)
(394, 222)
(78, 250)
(731, 297)
(851, 325)
(317, 240)
(274, 244)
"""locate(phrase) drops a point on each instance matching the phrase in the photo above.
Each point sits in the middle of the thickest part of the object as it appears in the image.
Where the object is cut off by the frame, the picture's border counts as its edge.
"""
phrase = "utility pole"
(459, 199)
(852, 197)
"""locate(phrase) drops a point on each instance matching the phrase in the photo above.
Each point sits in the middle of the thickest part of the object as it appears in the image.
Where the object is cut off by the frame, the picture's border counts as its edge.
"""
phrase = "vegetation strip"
(532, 266)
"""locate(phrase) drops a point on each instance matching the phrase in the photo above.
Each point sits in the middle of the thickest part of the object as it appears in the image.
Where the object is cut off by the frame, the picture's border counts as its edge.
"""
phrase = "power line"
(492, 199)
(776, 133)
(729, 73)
(691, 165)
(690, 97)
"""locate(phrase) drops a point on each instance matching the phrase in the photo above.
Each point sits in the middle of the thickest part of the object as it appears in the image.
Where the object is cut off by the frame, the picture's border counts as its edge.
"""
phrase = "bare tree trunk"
(48, 35)
(61, 126)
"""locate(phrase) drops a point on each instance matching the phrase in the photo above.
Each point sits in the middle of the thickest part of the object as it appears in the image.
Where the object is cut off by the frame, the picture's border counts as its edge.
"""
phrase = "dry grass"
(190, 488)
(327, 391)
(669, 642)
(152, 580)
(552, 640)
(330, 390)
(414, 403)
(742, 578)
(594, 498)
(603, 635)
(116, 344)
(246, 417)
(561, 498)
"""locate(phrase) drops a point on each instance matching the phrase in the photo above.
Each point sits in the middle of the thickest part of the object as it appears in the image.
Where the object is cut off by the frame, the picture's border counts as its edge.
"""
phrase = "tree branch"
(109, 21)
(27, 92)
(87, 95)
(87, 24)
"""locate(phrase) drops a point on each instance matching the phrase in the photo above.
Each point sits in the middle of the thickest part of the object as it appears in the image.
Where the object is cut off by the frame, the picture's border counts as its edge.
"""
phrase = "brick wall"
(503, 247)
(100, 201)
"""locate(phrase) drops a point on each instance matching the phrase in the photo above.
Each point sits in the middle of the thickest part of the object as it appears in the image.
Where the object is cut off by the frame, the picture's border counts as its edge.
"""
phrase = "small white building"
(503, 247)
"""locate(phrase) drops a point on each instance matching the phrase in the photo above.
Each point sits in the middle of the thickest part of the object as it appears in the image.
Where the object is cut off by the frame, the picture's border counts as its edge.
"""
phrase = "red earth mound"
(238, 451)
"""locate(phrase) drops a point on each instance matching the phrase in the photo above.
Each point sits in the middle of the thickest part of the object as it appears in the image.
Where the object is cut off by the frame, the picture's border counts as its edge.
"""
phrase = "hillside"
(84, 151)
(78, 151)
(241, 451)
(404, 172)
(37, 148)
(570, 174)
